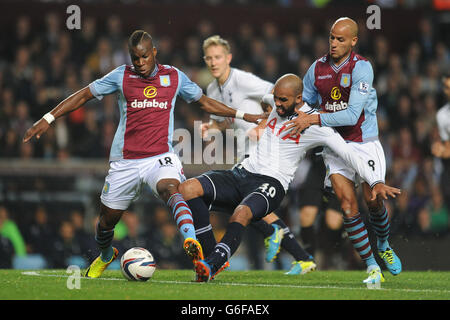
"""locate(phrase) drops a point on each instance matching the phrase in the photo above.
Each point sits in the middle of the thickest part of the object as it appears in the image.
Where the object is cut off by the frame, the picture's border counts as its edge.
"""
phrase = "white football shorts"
(371, 152)
(127, 177)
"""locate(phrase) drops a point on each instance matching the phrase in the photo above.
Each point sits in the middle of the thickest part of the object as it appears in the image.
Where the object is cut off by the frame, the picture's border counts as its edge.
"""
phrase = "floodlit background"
(49, 189)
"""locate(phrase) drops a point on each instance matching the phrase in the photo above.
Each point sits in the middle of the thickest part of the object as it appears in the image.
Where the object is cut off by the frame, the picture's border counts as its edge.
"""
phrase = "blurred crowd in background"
(40, 66)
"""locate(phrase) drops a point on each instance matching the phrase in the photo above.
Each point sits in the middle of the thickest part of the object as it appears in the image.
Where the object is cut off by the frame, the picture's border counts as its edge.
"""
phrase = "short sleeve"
(108, 84)
(253, 86)
(189, 90)
(443, 123)
(268, 99)
(310, 93)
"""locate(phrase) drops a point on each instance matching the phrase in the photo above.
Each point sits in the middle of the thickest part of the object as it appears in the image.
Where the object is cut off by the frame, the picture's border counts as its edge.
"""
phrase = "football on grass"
(137, 264)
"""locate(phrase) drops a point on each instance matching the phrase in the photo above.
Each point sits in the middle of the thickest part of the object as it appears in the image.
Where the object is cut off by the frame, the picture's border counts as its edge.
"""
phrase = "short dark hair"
(137, 37)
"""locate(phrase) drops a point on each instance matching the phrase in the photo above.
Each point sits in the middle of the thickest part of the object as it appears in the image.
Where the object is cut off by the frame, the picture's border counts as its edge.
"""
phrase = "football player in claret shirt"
(141, 152)
(257, 185)
(341, 84)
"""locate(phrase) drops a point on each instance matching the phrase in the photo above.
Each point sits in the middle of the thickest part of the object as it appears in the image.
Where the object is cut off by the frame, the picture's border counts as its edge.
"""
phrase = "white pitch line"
(37, 274)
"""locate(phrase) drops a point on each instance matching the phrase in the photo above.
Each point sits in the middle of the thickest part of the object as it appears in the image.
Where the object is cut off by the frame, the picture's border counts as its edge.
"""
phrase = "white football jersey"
(443, 122)
(242, 91)
(278, 154)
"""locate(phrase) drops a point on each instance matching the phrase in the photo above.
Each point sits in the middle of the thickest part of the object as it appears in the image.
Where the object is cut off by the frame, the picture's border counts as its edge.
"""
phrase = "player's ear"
(155, 51)
(298, 98)
(229, 57)
(354, 41)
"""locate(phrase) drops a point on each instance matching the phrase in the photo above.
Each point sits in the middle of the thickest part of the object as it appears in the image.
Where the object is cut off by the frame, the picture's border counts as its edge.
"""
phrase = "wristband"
(48, 117)
(239, 114)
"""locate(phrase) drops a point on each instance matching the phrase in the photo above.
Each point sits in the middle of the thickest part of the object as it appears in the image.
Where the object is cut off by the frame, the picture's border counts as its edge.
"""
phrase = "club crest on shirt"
(106, 187)
(345, 80)
(164, 81)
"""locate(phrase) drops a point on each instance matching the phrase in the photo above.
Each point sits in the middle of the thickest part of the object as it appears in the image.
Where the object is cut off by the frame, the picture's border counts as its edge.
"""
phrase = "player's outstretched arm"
(66, 106)
(215, 107)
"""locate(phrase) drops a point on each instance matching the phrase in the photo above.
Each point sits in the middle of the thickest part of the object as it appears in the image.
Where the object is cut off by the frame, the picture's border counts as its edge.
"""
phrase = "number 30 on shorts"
(268, 190)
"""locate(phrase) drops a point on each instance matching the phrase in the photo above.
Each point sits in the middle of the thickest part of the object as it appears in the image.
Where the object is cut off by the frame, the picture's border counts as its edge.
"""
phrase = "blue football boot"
(273, 243)
(301, 267)
(391, 260)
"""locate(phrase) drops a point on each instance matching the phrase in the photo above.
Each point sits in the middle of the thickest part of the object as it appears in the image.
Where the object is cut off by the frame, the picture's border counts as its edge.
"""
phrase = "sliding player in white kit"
(244, 91)
(257, 186)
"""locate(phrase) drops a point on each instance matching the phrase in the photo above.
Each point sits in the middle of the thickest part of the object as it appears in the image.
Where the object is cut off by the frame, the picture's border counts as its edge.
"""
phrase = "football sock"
(357, 233)
(380, 223)
(265, 228)
(104, 238)
(308, 236)
(333, 238)
(182, 215)
(291, 245)
(106, 254)
(203, 228)
(227, 246)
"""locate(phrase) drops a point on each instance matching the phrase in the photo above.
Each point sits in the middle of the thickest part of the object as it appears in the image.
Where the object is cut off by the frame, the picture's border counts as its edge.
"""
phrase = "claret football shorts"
(127, 177)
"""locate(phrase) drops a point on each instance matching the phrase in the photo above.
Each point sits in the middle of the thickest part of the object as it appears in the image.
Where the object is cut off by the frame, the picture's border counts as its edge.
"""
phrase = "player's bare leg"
(168, 190)
(355, 227)
(379, 218)
(271, 218)
(104, 235)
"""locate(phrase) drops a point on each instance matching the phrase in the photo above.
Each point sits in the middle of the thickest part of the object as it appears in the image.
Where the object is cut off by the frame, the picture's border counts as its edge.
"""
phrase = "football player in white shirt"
(441, 149)
(257, 186)
(243, 91)
(237, 88)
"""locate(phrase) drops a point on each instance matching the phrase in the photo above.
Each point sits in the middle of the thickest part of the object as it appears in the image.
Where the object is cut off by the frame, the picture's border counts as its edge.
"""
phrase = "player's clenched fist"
(204, 127)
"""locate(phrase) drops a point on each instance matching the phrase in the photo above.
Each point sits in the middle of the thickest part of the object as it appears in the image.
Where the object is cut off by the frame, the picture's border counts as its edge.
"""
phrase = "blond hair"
(216, 41)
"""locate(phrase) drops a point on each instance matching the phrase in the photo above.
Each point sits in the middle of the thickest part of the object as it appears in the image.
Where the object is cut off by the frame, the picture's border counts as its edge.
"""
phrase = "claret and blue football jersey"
(146, 106)
(345, 92)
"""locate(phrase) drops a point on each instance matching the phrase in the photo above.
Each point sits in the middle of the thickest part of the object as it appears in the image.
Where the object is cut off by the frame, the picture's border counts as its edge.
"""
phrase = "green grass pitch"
(229, 285)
